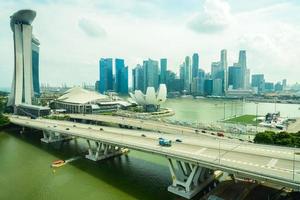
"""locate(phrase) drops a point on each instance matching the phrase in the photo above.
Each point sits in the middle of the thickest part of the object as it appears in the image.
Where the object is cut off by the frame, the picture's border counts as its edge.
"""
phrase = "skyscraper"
(22, 85)
(150, 74)
(195, 65)
(35, 66)
(223, 65)
(106, 75)
(138, 78)
(245, 73)
(121, 77)
(258, 81)
(235, 77)
(163, 70)
(187, 74)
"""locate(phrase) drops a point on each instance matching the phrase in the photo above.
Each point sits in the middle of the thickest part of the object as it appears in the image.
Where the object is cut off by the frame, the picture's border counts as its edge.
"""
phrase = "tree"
(264, 138)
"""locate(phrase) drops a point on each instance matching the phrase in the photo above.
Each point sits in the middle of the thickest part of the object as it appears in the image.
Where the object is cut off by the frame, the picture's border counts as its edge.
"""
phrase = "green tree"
(264, 138)
(284, 139)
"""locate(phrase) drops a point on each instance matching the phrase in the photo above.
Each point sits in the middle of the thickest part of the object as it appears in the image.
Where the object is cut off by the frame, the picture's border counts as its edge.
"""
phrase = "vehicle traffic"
(164, 142)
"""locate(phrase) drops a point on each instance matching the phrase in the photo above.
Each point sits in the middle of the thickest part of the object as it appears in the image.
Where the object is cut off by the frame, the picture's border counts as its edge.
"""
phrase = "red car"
(220, 134)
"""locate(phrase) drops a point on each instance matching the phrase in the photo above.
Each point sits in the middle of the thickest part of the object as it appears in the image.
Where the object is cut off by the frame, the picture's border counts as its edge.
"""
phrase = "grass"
(244, 119)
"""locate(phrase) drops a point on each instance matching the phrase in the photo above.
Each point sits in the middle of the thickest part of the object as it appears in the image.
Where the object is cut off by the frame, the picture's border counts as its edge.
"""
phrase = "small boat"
(58, 163)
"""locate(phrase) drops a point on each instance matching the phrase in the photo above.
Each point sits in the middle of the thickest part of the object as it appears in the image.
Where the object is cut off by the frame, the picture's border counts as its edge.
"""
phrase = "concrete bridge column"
(100, 151)
(188, 179)
(51, 136)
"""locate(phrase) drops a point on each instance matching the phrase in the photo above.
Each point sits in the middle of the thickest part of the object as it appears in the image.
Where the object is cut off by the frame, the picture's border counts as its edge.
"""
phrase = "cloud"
(91, 28)
(214, 17)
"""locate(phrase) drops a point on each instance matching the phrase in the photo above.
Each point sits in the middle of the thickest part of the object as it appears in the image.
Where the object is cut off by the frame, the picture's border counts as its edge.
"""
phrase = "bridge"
(192, 162)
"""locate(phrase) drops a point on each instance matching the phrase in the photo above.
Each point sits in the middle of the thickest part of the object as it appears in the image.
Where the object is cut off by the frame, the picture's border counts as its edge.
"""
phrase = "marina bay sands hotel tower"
(26, 54)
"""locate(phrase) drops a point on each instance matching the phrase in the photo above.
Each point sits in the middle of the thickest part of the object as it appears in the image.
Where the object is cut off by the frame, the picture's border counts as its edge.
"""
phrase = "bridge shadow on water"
(135, 175)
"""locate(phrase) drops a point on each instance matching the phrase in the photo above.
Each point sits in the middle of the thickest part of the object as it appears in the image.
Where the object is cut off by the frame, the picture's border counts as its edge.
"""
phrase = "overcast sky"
(74, 34)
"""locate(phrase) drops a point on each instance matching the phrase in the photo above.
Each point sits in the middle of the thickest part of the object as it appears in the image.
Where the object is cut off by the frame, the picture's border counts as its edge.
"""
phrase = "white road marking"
(272, 162)
(200, 151)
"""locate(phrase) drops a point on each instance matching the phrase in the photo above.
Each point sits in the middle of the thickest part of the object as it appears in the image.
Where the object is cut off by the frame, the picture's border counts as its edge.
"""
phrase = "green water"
(25, 171)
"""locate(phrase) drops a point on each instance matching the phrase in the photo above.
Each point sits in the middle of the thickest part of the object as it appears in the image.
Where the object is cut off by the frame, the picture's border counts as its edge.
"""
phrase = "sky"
(75, 34)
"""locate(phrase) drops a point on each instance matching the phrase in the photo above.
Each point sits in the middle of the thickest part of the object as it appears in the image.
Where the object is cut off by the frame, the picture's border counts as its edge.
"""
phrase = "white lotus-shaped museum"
(151, 98)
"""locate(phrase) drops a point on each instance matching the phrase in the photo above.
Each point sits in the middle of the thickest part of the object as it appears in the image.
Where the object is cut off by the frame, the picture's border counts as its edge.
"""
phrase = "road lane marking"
(272, 162)
(200, 151)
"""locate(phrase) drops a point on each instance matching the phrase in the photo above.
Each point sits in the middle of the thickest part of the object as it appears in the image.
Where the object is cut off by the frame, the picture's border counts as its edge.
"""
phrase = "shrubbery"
(3, 120)
(282, 138)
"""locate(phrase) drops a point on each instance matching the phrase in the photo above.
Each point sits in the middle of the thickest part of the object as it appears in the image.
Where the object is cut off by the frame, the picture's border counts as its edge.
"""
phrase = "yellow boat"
(58, 163)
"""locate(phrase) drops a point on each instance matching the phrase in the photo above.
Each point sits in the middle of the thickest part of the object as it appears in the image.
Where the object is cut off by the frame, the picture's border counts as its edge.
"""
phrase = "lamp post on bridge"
(256, 115)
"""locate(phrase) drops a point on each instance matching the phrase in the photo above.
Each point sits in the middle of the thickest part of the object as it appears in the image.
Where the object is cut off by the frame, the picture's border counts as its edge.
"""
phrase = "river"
(25, 171)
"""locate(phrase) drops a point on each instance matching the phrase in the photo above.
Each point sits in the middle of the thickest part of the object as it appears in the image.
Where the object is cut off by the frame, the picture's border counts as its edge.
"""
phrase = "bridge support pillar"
(100, 151)
(51, 137)
(188, 179)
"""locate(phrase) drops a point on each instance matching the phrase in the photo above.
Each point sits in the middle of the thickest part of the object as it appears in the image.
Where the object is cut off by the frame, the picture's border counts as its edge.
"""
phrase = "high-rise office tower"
(138, 78)
(223, 65)
(22, 85)
(217, 87)
(35, 65)
(284, 84)
(106, 75)
(121, 76)
(150, 74)
(234, 77)
(245, 73)
(195, 65)
(163, 70)
(258, 81)
(187, 74)
(215, 70)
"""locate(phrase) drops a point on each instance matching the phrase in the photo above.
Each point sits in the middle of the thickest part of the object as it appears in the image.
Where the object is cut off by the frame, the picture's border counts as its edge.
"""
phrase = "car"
(74, 125)
(101, 129)
(160, 138)
(164, 142)
(178, 140)
(220, 134)
(67, 129)
(143, 135)
(212, 133)
(158, 131)
(241, 140)
(203, 131)
(54, 126)
(230, 137)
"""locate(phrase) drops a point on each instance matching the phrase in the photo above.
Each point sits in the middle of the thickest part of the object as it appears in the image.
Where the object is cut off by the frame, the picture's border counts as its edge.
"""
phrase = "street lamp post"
(256, 115)
(224, 111)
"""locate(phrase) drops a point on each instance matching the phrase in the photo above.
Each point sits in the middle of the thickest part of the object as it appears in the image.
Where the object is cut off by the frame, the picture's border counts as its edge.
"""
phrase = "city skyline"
(97, 34)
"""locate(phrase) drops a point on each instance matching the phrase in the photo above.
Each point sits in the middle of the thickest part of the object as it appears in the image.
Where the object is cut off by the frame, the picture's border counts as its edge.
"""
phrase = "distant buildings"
(106, 75)
(258, 82)
(223, 80)
(121, 77)
(107, 82)
(163, 71)
(150, 74)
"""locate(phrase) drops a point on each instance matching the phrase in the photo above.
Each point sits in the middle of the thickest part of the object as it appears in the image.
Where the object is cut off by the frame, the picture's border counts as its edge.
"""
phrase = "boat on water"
(58, 163)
